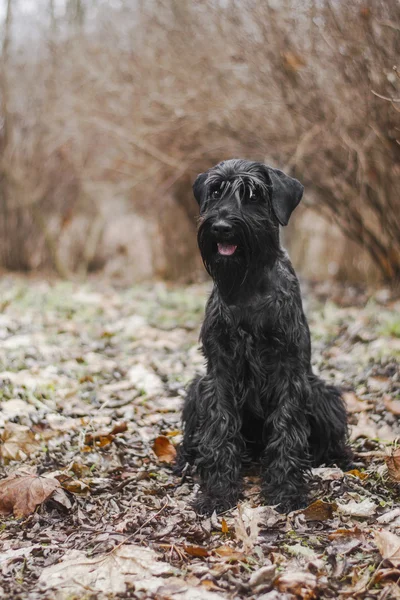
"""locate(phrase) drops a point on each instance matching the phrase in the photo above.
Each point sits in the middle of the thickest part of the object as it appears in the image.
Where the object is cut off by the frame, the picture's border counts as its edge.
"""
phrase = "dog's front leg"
(286, 461)
(220, 447)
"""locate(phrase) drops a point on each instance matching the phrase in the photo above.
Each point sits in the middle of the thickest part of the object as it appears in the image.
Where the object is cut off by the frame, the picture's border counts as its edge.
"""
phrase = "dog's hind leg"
(186, 454)
(328, 422)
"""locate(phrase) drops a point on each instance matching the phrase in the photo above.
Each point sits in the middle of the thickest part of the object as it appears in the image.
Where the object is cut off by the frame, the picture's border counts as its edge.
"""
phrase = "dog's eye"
(252, 195)
(216, 194)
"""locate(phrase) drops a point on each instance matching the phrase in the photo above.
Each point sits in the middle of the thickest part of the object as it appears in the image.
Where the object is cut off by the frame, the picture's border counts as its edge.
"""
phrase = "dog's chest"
(253, 345)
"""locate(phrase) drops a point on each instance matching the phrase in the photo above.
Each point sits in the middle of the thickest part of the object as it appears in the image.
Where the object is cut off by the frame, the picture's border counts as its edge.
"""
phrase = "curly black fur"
(259, 398)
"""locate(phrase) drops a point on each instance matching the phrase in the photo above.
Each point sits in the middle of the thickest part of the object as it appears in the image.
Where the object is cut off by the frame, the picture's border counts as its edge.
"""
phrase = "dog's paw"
(204, 504)
(286, 504)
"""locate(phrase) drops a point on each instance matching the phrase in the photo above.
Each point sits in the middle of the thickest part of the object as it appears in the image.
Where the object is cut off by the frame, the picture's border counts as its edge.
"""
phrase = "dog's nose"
(221, 226)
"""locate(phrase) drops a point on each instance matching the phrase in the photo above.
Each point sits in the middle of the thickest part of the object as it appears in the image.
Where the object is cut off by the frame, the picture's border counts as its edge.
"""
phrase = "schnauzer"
(259, 398)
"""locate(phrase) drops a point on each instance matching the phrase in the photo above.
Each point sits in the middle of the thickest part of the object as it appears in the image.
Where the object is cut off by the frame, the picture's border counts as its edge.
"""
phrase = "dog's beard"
(241, 256)
(227, 260)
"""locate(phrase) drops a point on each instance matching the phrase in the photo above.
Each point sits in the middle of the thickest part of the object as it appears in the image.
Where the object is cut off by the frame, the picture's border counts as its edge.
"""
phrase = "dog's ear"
(199, 188)
(286, 194)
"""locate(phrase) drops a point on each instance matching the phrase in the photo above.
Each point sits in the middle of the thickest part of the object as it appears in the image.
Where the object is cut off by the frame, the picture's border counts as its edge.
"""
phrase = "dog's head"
(242, 204)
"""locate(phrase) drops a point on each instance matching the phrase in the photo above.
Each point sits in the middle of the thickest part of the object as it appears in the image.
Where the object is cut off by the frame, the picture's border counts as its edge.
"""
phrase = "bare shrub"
(119, 112)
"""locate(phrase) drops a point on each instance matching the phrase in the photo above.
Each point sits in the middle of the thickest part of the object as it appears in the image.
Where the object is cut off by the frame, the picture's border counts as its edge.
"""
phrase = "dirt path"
(91, 376)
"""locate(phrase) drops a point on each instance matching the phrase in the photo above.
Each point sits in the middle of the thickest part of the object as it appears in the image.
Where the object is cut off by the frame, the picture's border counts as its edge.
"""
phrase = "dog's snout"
(221, 226)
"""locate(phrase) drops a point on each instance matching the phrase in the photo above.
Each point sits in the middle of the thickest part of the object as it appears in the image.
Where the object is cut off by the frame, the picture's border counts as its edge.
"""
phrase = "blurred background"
(109, 109)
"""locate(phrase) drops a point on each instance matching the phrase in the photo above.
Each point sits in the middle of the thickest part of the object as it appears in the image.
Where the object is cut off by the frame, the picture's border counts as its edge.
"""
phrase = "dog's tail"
(328, 420)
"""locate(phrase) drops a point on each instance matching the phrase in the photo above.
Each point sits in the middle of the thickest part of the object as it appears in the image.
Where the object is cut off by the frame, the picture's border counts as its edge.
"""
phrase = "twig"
(132, 535)
(385, 97)
(372, 453)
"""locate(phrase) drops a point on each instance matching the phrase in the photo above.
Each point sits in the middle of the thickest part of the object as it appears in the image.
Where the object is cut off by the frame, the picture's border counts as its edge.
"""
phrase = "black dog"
(259, 397)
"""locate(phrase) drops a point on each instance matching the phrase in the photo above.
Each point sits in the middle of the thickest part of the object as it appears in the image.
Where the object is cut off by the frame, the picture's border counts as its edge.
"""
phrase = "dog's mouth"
(226, 249)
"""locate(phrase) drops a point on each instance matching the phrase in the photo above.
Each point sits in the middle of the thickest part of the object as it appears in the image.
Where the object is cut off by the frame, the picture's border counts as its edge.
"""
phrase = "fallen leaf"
(263, 575)
(224, 526)
(98, 440)
(108, 573)
(393, 465)
(103, 438)
(210, 585)
(10, 555)
(388, 545)
(319, 511)
(119, 428)
(301, 583)
(389, 516)
(61, 497)
(246, 526)
(197, 551)
(164, 450)
(365, 508)
(345, 545)
(230, 553)
(378, 383)
(328, 473)
(385, 574)
(15, 407)
(354, 404)
(366, 427)
(145, 380)
(299, 550)
(359, 582)
(353, 532)
(23, 491)
(75, 486)
(357, 473)
(18, 442)
(392, 405)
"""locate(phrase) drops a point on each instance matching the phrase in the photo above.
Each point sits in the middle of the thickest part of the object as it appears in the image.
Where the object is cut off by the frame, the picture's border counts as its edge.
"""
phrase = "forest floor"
(91, 385)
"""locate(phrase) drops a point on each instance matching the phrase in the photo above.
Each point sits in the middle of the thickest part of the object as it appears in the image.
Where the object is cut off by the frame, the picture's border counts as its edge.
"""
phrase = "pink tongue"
(226, 249)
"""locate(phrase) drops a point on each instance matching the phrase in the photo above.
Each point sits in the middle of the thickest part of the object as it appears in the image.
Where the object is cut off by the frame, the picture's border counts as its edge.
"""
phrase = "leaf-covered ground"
(91, 384)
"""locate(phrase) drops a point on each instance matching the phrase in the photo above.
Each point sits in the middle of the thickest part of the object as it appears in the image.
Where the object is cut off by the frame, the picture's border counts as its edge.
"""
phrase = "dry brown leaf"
(210, 585)
(247, 525)
(292, 61)
(354, 532)
(263, 575)
(164, 450)
(230, 553)
(354, 404)
(385, 575)
(359, 582)
(319, 511)
(378, 383)
(345, 545)
(18, 442)
(366, 427)
(23, 491)
(104, 438)
(98, 440)
(365, 508)
(224, 526)
(197, 551)
(11, 555)
(392, 405)
(388, 545)
(300, 583)
(393, 465)
(119, 428)
(76, 486)
(108, 573)
(357, 473)
(328, 473)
